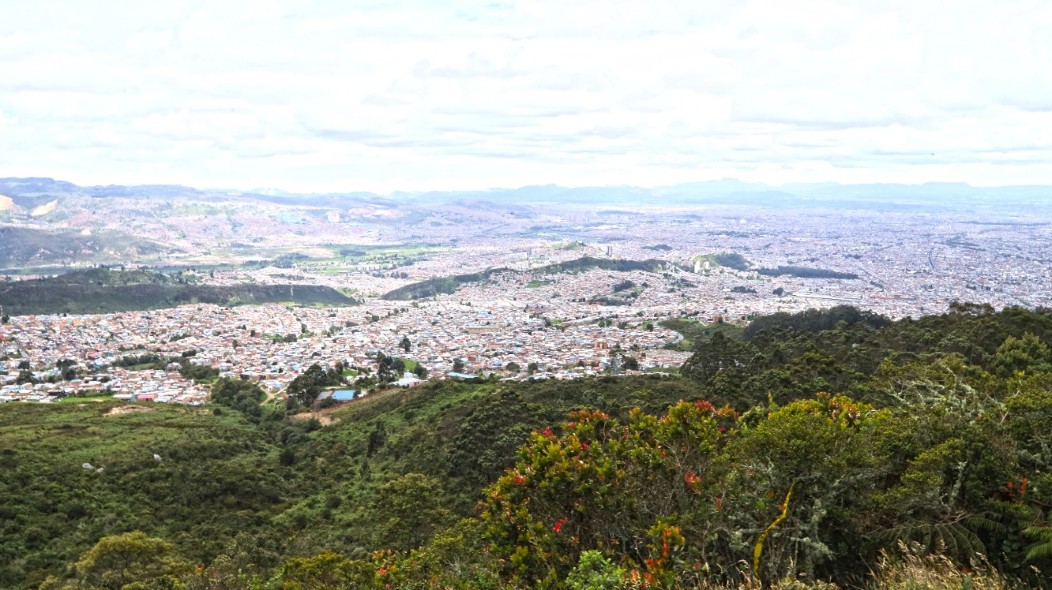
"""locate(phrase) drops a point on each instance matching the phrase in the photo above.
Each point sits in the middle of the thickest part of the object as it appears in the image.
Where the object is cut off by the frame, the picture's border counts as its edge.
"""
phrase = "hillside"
(938, 437)
(588, 263)
(224, 481)
(438, 285)
(105, 291)
(20, 246)
(447, 285)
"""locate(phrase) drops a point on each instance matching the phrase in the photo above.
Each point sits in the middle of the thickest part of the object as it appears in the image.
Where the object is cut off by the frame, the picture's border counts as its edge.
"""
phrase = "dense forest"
(102, 290)
(806, 272)
(446, 285)
(832, 449)
(439, 285)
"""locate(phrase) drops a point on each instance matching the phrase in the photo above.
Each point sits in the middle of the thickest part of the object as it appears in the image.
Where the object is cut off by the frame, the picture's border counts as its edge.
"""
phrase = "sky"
(413, 96)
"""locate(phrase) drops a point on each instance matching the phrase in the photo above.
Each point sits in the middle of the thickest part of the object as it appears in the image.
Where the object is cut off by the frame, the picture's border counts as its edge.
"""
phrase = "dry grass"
(324, 416)
(910, 568)
(913, 569)
(128, 409)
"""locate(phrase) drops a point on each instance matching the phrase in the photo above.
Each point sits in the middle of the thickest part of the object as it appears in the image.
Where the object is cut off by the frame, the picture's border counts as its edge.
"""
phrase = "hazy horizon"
(657, 187)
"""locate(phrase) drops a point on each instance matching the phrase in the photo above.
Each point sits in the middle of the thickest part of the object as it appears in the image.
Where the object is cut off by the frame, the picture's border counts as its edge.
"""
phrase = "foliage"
(605, 485)
(215, 478)
(446, 285)
(104, 291)
(814, 320)
(595, 572)
(409, 510)
(937, 439)
(132, 559)
(695, 332)
(305, 388)
(731, 260)
(806, 272)
(243, 396)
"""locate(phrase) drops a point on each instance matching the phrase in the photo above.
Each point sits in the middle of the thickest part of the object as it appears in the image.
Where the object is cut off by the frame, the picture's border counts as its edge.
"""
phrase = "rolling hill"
(105, 291)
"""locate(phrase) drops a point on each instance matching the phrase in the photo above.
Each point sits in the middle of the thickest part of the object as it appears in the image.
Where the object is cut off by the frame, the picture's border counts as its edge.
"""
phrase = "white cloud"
(431, 95)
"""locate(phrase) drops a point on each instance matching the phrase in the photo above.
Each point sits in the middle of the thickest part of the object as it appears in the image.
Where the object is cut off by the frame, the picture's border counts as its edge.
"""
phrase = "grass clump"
(915, 569)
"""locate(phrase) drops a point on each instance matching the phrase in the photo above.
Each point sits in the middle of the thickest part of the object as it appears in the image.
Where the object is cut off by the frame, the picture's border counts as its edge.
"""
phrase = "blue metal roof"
(343, 395)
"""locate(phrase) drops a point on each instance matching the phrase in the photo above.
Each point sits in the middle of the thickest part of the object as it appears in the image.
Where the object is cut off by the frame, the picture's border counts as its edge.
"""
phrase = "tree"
(377, 438)
(326, 571)
(405, 344)
(532, 368)
(609, 485)
(409, 509)
(458, 365)
(718, 354)
(513, 367)
(305, 388)
(118, 561)
(490, 438)
(1026, 355)
(243, 396)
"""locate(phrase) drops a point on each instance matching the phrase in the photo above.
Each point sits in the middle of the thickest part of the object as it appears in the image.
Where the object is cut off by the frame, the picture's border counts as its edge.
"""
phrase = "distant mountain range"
(28, 192)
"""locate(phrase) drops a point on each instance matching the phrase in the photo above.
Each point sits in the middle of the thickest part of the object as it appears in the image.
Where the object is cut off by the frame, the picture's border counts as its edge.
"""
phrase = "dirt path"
(324, 416)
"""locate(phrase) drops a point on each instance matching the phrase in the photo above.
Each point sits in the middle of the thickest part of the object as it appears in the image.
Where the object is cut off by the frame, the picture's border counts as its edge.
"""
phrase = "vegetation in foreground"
(911, 454)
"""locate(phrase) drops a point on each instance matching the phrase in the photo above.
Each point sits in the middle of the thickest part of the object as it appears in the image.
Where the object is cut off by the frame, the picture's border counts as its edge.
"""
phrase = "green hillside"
(439, 285)
(870, 454)
(447, 285)
(105, 291)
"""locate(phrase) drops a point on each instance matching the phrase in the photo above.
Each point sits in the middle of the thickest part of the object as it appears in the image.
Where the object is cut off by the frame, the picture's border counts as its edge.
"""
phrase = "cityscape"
(529, 309)
(526, 295)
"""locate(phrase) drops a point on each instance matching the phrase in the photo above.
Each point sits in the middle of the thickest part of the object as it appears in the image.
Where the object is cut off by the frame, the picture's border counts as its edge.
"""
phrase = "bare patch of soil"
(129, 409)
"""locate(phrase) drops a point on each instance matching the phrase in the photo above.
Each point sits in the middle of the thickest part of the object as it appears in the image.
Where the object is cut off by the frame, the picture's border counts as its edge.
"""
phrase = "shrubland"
(825, 450)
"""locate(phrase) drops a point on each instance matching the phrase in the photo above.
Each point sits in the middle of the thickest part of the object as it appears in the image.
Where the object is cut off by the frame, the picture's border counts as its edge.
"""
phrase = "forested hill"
(439, 285)
(447, 285)
(103, 290)
(863, 452)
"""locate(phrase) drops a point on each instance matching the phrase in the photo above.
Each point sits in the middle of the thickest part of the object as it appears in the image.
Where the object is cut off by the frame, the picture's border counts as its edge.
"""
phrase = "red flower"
(558, 526)
(693, 480)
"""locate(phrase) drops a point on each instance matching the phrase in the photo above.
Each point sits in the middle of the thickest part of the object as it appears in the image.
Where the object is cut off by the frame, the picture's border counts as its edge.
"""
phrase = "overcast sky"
(363, 95)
